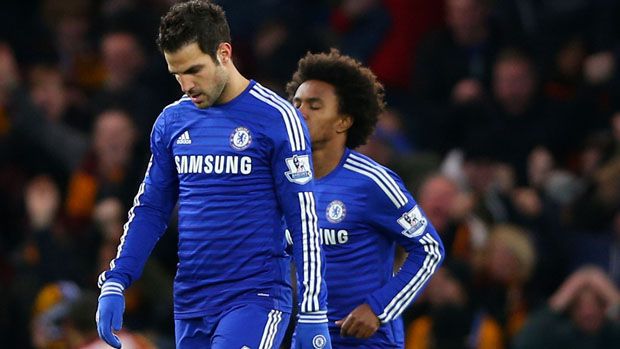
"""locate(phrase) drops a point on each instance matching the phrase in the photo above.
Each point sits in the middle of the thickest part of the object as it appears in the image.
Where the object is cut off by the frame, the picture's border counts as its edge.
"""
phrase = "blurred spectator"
(277, 46)
(109, 169)
(519, 118)
(108, 216)
(493, 196)
(508, 266)
(389, 143)
(594, 209)
(566, 74)
(81, 332)
(454, 64)
(484, 179)
(63, 319)
(51, 305)
(583, 313)
(50, 94)
(514, 83)
(70, 29)
(599, 68)
(12, 171)
(394, 59)
(454, 321)
(453, 68)
(360, 27)
(544, 25)
(601, 249)
(42, 142)
(450, 210)
(10, 76)
(128, 83)
(140, 17)
(538, 207)
(49, 252)
(123, 59)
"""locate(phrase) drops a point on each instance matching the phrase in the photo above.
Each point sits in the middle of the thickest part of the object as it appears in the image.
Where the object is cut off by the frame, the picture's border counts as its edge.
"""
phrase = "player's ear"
(344, 123)
(224, 52)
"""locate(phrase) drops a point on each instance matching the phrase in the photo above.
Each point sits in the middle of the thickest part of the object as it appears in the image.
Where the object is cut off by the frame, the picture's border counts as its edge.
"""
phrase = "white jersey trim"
(411, 289)
(271, 329)
(291, 111)
(291, 119)
(389, 182)
(182, 99)
(310, 252)
(131, 215)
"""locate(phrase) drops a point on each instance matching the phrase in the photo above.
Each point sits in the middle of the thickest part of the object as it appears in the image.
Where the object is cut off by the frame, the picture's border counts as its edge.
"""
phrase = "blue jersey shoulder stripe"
(294, 142)
(364, 163)
(376, 180)
(291, 112)
(390, 189)
(291, 119)
(408, 293)
(182, 99)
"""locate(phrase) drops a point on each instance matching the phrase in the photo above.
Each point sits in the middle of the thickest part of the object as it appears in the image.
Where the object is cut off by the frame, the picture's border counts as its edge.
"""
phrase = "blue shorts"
(389, 336)
(245, 326)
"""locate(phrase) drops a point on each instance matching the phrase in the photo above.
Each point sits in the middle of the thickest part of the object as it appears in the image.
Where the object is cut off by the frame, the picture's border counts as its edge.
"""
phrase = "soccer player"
(225, 152)
(363, 207)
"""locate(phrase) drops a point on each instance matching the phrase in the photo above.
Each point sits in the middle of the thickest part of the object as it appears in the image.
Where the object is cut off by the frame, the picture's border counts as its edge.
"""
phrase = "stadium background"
(503, 119)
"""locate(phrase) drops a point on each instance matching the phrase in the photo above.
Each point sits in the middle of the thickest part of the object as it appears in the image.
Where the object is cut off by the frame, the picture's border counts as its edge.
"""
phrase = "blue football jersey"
(364, 211)
(235, 170)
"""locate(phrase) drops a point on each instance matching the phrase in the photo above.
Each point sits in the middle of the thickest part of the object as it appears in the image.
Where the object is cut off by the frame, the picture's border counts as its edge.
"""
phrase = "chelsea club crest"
(240, 138)
(335, 211)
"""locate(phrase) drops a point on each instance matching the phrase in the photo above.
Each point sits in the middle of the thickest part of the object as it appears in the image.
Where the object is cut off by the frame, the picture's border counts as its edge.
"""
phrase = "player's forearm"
(310, 265)
(142, 231)
(394, 297)
(309, 259)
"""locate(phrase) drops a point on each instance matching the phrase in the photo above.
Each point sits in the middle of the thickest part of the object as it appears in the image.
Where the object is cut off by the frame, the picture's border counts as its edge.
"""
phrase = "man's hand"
(110, 312)
(312, 332)
(362, 322)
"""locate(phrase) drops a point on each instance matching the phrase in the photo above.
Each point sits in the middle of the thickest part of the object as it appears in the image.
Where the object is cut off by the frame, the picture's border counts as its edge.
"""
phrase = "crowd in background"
(503, 120)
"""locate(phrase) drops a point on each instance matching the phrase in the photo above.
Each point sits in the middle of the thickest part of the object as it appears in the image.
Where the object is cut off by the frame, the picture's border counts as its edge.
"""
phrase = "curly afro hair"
(359, 93)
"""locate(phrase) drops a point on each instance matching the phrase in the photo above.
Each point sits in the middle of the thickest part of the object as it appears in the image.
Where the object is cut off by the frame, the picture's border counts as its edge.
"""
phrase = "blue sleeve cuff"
(315, 317)
(376, 307)
(112, 287)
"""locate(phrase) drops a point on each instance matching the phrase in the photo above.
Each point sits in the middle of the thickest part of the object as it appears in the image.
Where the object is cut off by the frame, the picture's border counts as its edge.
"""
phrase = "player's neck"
(237, 83)
(326, 159)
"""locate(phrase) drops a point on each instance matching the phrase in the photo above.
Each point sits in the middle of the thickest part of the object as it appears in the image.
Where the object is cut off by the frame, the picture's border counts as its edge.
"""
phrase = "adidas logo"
(184, 138)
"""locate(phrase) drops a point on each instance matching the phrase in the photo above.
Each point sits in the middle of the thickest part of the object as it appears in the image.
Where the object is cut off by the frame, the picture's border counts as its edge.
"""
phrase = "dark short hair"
(197, 21)
(359, 93)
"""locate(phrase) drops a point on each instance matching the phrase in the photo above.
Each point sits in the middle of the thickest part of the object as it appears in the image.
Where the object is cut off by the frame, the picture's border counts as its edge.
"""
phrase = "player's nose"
(186, 84)
(303, 112)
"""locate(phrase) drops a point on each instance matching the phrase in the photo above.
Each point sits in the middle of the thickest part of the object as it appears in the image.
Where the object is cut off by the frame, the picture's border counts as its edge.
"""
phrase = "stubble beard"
(214, 93)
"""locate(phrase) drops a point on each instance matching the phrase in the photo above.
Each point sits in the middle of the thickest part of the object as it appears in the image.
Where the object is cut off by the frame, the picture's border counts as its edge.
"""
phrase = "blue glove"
(312, 332)
(110, 312)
